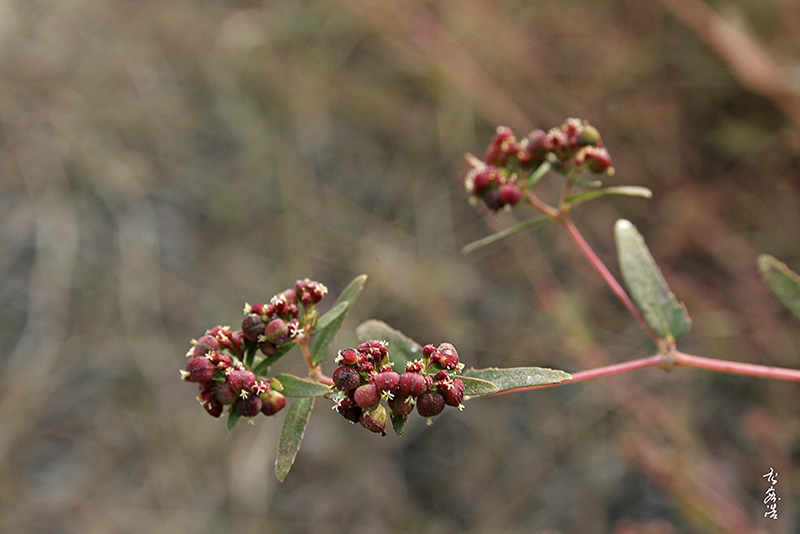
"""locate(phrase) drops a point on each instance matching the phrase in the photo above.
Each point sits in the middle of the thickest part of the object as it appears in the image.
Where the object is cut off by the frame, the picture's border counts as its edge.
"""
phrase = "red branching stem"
(314, 371)
(725, 366)
(608, 370)
(608, 278)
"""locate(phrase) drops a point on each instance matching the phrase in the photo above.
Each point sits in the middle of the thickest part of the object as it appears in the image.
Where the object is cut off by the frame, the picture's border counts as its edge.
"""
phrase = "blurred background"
(162, 163)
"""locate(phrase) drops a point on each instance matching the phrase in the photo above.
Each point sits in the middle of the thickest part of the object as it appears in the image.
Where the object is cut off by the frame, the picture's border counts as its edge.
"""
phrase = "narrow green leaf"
(294, 427)
(398, 422)
(661, 310)
(262, 367)
(324, 335)
(233, 418)
(626, 190)
(402, 349)
(539, 173)
(475, 387)
(332, 314)
(502, 234)
(517, 377)
(249, 353)
(783, 282)
(294, 386)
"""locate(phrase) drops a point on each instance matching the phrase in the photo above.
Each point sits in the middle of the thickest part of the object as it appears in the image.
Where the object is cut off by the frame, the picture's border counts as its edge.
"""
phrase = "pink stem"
(608, 370)
(608, 278)
(725, 366)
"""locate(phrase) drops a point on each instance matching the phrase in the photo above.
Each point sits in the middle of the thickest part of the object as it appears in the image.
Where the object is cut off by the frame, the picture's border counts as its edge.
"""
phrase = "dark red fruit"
(277, 332)
(387, 381)
(454, 394)
(367, 396)
(205, 344)
(253, 327)
(348, 357)
(209, 401)
(272, 402)
(346, 378)
(225, 394)
(248, 406)
(599, 160)
(412, 384)
(430, 404)
(241, 380)
(401, 404)
(199, 369)
(510, 194)
(374, 420)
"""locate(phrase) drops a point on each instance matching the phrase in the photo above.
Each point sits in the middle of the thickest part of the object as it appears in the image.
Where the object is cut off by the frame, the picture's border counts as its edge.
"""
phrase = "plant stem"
(676, 358)
(599, 372)
(314, 371)
(609, 279)
(738, 368)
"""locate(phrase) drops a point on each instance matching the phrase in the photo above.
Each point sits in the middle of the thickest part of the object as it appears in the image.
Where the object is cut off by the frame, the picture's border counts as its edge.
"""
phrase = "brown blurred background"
(163, 162)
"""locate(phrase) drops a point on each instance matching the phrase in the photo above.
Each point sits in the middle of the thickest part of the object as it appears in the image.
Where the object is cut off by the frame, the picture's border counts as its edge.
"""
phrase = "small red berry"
(346, 378)
(510, 194)
(454, 394)
(253, 327)
(430, 404)
(493, 199)
(401, 404)
(199, 369)
(209, 401)
(248, 406)
(241, 380)
(374, 420)
(205, 344)
(225, 394)
(348, 357)
(272, 402)
(448, 356)
(367, 396)
(599, 160)
(277, 332)
(387, 381)
(412, 384)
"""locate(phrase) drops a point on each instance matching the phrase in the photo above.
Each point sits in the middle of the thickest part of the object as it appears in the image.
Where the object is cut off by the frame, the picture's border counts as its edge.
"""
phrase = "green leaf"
(398, 422)
(402, 349)
(332, 314)
(476, 387)
(626, 190)
(294, 386)
(233, 418)
(783, 282)
(502, 234)
(538, 174)
(661, 310)
(249, 353)
(517, 377)
(262, 367)
(324, 335)
(294, 427)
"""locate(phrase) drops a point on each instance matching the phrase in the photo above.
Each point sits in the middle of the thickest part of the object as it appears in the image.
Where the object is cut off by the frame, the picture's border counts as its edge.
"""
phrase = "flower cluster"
(365, 376)
(216, 361)
(501, 178)
(279, 322)
(215, 364)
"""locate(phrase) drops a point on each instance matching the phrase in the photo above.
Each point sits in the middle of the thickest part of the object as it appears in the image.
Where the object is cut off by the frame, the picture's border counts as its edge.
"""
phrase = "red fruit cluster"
(216, 359)
(224, 381)
(499, 180)
(365, 376)
(278, 323)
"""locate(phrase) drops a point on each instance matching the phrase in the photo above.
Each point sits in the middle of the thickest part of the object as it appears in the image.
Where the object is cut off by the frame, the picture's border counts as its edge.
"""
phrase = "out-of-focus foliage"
(163, 162)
